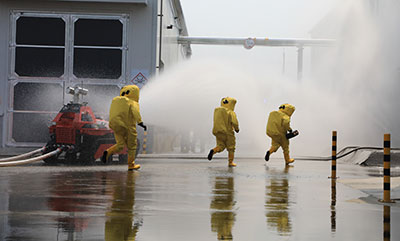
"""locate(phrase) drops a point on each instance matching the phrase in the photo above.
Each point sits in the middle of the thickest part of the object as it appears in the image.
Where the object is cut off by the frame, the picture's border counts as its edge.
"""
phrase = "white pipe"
(258, 41)
(19, 157)
(33, 159)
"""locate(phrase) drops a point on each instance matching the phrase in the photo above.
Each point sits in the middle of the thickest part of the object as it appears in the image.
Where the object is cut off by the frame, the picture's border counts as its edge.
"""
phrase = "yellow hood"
(229, 103)
(288, 109)
(130, 91)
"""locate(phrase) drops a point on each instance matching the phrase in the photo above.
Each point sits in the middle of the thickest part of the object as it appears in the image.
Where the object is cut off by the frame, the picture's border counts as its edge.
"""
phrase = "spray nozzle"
(76, 91)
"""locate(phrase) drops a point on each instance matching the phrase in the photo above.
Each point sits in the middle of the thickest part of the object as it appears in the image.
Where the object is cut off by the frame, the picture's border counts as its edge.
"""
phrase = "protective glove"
(143, 126)
(291, 134)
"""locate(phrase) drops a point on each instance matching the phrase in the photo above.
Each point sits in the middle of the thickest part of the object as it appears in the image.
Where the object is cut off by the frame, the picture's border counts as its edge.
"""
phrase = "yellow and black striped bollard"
(334, 143)
(386, 169)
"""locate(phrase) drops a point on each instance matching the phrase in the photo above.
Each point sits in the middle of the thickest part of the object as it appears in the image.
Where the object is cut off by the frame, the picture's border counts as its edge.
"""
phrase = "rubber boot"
(267, 156)
(288, 160)
(104, 157)
(231, 155)
(210, 154)
(107, 156)
(131, 163)
(108, 153)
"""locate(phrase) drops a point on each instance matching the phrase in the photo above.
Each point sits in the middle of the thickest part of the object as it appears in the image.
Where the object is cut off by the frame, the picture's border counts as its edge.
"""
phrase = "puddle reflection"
(333, 205)
(222, 206)
(120, 223)
(277, 202)
(386, 223)
(71, 194)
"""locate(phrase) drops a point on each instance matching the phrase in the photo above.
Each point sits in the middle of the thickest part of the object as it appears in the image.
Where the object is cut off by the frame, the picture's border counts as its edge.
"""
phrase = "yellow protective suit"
(225, 123)
(277, 126)
(124, 115)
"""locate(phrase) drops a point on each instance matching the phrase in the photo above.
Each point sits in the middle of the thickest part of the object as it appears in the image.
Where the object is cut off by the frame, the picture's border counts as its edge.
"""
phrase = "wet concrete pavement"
(192, 199)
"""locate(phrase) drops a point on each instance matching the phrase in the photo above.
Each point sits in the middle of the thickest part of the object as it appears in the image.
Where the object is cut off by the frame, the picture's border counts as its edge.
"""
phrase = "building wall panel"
(139, 54)
(140, 41)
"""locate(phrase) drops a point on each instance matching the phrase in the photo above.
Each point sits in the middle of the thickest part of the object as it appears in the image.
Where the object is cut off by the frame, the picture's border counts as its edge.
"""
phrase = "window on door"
(43, 44)
(98, 48)
(40, 47)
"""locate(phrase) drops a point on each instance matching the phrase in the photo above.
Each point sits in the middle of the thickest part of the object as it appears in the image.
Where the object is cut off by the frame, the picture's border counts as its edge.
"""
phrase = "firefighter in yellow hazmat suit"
(124, 115)
(277, 127)
(225, 122)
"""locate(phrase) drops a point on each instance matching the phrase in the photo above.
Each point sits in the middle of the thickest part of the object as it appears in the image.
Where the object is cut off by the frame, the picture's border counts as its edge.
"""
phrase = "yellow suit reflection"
(277, 203)
(119, 224)
(222, 203)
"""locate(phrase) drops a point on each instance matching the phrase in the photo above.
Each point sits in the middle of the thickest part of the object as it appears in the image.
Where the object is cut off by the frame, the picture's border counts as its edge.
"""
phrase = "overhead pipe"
(257, 41)
(249, 43)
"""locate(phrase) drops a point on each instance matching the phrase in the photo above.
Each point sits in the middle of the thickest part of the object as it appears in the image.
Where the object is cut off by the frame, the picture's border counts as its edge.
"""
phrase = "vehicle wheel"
(71, 157)
(86, 157)
(87, 150)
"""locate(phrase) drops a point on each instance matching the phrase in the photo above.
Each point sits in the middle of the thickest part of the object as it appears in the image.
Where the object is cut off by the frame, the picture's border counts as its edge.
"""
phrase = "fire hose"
(22, 156)
(16, 161)
(343, 153)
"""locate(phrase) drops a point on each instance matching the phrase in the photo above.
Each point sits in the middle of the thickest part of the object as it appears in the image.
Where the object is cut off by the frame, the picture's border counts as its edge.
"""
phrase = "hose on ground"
(344, 152)
(22, 156)
(30, 160)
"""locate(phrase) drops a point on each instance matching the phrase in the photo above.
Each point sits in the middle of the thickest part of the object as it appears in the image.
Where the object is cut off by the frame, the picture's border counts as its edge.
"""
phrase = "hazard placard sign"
(139, 79)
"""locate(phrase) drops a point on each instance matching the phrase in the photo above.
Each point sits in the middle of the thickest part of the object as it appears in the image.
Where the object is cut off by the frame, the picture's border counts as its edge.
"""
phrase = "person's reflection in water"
(277, 202)
(119, 224)
(222, 204)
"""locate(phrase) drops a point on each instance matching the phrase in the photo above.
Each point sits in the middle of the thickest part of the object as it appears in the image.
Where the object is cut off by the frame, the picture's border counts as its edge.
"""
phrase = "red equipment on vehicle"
(83, 136)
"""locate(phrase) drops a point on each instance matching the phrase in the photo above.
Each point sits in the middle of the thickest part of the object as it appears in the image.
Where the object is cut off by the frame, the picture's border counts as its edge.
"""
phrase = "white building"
(47, 46)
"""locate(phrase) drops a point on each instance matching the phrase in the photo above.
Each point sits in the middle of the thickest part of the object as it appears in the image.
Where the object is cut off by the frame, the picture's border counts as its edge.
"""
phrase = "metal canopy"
(249, 43)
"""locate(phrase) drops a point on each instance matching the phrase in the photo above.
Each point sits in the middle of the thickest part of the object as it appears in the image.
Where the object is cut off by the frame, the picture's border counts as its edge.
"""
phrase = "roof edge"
(106, 1)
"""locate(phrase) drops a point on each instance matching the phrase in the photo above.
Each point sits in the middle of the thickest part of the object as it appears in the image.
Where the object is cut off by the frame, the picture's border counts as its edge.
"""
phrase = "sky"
(264, 18)
(254, 18)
